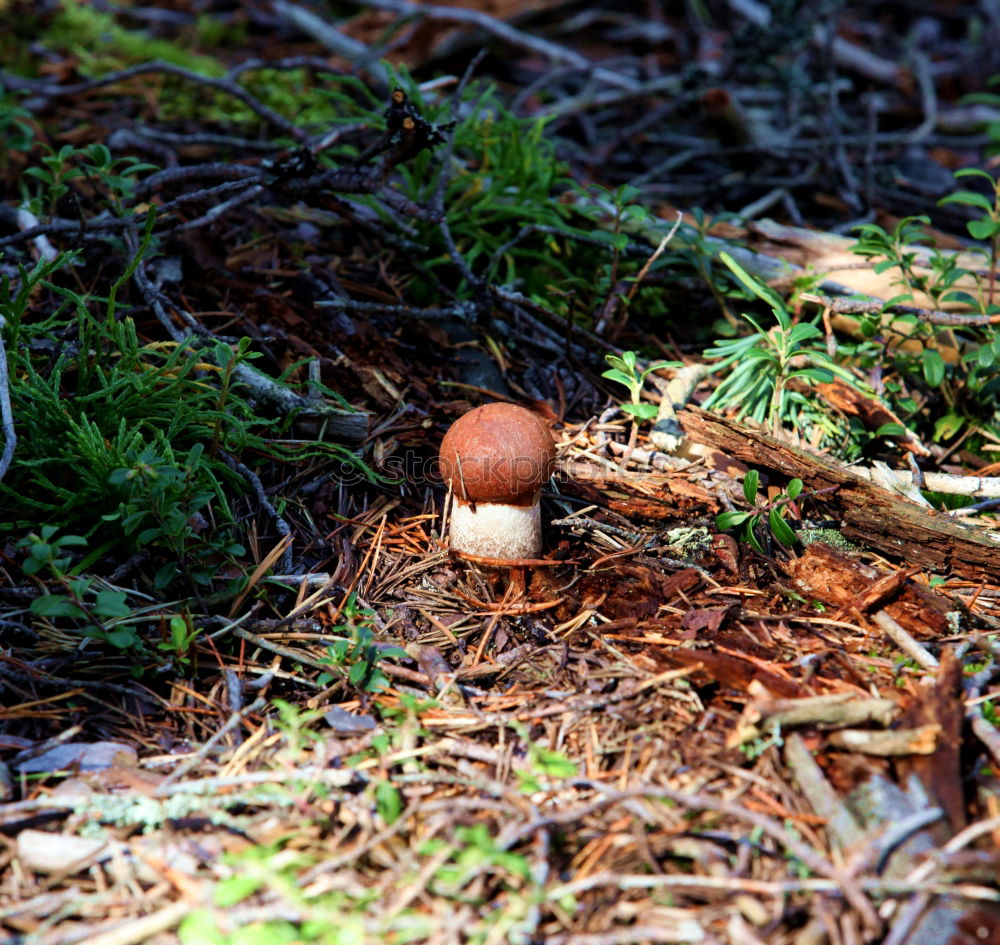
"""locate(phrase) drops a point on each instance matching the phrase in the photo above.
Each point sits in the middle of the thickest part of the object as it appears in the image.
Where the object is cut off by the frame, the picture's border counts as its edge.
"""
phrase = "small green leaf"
(131, 522)
(642, 411)
(164, 575)
(338, 651)
(780, 528)
(178, 630)
(891, 430)
(388, 802)
(795, 488)
(975, 171)
(763, 292)
(122, 639)
(111, 604)
(199, 928)
(982, 229)
(33, 565)
(357, 673)
(553, 763)
(933, 367)
(234, 889)
(54, 605)
(818, 374)
(969, 198)
(802, 332)
(659, 366)
(619, 377)
(869, 326)
(751, 482)
(948, 426)
(149, 535)
(726, 520)
(749, 535)
(527, 783)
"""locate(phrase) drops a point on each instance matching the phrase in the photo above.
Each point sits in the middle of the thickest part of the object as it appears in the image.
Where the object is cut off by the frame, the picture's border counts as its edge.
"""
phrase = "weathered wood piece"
(854, 588)
(870, 514)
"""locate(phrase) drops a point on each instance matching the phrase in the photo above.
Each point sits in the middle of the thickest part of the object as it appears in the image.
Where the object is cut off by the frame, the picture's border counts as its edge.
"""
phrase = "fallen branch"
(870, 514)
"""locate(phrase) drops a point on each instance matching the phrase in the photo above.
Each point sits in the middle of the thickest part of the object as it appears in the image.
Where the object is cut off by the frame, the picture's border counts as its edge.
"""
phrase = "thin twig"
(234, 720)
(227, 85)
(283, 528)
(777, 831)
(508, 34)
(849, 306)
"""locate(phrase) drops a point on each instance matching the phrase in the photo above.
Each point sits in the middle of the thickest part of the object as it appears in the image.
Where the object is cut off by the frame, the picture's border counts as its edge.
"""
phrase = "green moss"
(295, 94)
(103, 45)
(212, 33)
(829, 536)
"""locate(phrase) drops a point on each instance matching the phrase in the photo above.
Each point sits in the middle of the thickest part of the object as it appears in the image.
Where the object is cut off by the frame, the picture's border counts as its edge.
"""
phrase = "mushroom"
(495, 460)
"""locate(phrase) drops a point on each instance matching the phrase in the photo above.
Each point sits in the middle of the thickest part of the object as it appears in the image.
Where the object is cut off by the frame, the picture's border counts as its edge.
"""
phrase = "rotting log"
(870, 514)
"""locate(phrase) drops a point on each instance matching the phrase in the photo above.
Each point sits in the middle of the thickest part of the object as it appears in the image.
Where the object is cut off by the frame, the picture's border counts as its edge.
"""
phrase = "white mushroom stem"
(493, 530)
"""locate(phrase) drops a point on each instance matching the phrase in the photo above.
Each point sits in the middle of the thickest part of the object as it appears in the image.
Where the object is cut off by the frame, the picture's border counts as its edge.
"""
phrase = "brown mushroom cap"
(497, 453)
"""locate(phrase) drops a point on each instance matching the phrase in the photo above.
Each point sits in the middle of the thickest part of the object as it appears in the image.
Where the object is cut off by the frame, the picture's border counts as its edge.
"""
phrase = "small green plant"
(16, 130)
(112, 178)
(116, 176)
(163, 507)
(626, 216)
(92, 610)
(295, 724)
(388, 801)
(986, 227)
(183, 634)
(356, 650)
(501, 202)
(698, 252)
(749, 523)
(933, 274)
(963, 393)
(56, 171)
(624, 370)
(765, 363)
(129, 445)
(477, 852)
(544, 764)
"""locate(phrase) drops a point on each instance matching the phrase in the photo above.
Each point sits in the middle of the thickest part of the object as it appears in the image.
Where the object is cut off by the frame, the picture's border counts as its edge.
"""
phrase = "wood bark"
(870, 514)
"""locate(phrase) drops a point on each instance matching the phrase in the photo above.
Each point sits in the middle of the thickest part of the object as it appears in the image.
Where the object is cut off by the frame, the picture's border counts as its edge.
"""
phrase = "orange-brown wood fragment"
(732, 671)
(835, 579)
(854, 403)
(658, 500)
(941, 771)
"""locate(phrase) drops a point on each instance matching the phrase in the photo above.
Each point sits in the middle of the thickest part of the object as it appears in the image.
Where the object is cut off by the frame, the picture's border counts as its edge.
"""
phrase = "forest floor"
(256, 259)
